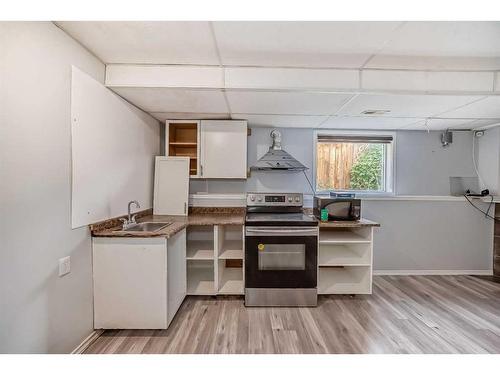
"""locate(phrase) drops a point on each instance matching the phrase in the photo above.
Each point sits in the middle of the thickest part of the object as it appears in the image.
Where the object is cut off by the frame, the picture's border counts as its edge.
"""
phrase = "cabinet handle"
(185, 207)
(201, 170)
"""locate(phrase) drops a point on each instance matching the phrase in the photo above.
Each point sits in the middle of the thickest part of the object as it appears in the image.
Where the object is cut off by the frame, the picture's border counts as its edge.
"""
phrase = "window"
(358, 163)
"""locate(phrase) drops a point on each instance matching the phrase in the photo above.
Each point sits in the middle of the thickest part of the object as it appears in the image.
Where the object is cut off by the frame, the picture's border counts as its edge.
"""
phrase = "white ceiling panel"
(378, 123)
(445, 39)
(280, 121)
(162, 116)
(405, 105)
(293, 103)
(486, 108)
(311, 44)
(174, 100)
(160, 42)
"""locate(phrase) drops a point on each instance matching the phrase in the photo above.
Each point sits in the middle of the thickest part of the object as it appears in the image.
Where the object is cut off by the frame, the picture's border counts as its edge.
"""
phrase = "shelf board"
(334, 237)
(199, 250)
(185, 156)
(200, 281)
(346, 280)
(183, 144)
(232, 250)
(231, 281)
(342, 255)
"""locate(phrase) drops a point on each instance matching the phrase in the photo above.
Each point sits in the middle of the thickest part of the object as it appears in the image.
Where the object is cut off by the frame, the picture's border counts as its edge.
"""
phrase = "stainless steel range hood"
(277, 159)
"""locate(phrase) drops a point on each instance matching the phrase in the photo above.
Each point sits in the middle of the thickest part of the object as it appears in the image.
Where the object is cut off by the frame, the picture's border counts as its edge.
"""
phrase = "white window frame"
(390, 161)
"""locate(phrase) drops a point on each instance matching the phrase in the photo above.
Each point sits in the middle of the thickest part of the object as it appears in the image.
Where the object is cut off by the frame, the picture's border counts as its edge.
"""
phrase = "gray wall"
(39, 311)
(423, 167)
(430, 235)
(488, 159)
(415, 235)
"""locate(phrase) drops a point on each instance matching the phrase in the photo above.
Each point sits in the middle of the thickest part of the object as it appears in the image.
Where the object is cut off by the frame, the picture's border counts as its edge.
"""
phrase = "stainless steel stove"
(281, 251)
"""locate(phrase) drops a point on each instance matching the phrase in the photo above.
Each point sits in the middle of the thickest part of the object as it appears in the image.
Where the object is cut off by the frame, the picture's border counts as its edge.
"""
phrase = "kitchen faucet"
(131, 218)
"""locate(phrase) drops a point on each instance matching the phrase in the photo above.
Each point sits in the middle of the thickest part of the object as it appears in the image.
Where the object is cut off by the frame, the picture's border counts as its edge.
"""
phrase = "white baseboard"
(87, 341)
(432, 272)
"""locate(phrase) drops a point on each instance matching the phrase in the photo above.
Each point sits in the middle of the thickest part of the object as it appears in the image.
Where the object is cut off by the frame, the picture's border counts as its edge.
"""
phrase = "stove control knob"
(259, 199)
(252, 198)
(297, 199)
(289, 199)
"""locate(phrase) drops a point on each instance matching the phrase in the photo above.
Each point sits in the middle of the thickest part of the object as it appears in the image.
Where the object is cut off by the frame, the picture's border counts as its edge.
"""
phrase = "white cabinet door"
(171, 188)
(130, 283)
(176, 272)
(223, 149)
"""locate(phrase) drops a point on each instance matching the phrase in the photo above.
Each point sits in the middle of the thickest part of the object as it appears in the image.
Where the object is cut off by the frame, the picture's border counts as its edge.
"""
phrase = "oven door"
(281, 257)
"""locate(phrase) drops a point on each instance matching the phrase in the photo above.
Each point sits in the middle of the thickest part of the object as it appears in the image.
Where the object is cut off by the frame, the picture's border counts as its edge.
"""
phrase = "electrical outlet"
(64, 266)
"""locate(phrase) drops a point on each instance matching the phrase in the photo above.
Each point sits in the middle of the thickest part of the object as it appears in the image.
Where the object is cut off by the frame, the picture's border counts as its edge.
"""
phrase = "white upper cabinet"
(223, 149)
(215, 148)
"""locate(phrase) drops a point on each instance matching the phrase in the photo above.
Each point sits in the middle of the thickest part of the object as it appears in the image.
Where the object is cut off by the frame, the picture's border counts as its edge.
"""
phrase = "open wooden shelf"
(341, 237)
(200, 250)
(183, 141)
(344, 280)
(231, 249)
(344, 255)
(230, 280)
(200, 278)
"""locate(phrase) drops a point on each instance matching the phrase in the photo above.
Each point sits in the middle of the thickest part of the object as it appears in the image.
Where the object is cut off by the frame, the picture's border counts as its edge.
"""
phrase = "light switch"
(64, 266)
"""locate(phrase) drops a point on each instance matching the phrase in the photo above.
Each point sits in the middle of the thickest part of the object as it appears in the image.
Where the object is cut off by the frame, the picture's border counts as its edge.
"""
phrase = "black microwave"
(338, 208)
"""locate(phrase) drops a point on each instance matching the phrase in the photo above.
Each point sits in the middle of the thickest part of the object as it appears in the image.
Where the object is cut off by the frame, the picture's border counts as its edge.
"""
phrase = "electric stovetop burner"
(279, 209)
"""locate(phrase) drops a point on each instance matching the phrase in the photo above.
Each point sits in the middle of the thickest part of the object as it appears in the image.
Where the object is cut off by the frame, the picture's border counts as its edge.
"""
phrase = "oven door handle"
(297, 231)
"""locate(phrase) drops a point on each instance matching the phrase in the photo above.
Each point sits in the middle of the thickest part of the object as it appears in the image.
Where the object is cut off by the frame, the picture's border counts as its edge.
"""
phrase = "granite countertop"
(348, 224)
(201, 216)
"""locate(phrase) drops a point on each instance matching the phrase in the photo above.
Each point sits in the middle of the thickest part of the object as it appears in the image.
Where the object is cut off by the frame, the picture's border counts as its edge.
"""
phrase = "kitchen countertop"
(197, 217)
(348, 224)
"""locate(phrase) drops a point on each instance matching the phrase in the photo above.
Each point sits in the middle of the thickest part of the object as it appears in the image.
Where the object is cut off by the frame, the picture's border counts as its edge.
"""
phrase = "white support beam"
(297, 79)
(169, 76)
(291, 79)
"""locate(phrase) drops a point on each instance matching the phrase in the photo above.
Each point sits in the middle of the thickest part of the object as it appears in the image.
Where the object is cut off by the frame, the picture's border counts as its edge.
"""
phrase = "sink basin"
(147, 227)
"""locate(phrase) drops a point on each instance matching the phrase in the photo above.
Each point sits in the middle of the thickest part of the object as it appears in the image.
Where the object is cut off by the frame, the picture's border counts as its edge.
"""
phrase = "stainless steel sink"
(147, 226)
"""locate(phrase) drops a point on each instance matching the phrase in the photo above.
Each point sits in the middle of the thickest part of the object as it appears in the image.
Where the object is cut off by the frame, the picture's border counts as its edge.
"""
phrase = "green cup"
(324, 214)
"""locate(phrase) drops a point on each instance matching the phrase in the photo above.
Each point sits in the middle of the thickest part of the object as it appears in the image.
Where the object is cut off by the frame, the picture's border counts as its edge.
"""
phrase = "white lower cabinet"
(215, 260)
(345, 260)
(139, 283)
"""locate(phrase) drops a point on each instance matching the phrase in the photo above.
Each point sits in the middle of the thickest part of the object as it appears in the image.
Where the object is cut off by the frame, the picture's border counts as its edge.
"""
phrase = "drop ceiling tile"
(163, 116)
(290, 103)
(486, 108)
(311, 44)
(174, 100)
(405, 105)
(445, 39)
(377, 123)
(280, 121)
(153, 42)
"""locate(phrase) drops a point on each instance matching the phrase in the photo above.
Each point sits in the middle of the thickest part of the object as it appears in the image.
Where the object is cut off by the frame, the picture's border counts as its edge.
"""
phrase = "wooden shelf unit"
(200, 278)
(345, 260)
(230, 259)
(230, 279)
(182, 140)
(214, 256)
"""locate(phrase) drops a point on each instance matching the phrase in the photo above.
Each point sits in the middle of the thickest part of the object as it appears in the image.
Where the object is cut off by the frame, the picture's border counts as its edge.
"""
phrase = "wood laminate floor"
(405, 314)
